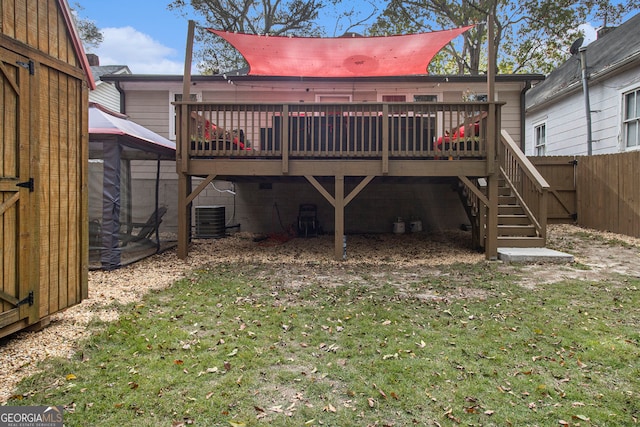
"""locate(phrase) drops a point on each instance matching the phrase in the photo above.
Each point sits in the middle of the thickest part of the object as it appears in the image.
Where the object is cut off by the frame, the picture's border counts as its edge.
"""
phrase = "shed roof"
(609, 54)
(399, 55)
(77, 43)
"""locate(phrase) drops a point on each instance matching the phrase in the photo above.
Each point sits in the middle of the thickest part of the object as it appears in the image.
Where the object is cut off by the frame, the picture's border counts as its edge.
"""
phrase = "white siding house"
(556, 121)
(106, 93)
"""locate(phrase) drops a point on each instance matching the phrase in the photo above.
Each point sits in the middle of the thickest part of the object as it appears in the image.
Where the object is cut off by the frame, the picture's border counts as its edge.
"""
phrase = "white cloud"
(142, 54)
(589, 33)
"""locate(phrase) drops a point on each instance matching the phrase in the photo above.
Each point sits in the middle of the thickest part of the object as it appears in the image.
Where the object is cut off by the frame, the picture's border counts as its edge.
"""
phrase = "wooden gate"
(17, 292)
(560, 173)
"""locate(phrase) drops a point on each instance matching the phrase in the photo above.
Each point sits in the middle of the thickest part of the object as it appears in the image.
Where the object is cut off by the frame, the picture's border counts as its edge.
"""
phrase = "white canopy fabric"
(105, 122)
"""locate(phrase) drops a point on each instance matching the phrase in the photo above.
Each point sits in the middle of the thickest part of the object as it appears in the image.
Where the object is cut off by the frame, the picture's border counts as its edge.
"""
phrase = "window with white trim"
(177, 97)
(540, 139)
(631, 121)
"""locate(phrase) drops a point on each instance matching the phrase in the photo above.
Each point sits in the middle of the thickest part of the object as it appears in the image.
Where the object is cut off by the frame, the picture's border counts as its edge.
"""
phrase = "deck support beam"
(339, 201)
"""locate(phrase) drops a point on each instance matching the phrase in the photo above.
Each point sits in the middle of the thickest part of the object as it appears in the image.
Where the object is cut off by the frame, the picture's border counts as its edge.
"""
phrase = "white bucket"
(415, 226)
(398, 226)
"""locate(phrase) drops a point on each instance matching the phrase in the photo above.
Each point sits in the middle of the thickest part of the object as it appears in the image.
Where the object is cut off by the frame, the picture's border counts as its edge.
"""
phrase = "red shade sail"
(339, 57)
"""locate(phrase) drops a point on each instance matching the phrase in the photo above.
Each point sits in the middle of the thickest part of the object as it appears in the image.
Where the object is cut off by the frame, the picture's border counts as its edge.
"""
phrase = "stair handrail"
(528, 185)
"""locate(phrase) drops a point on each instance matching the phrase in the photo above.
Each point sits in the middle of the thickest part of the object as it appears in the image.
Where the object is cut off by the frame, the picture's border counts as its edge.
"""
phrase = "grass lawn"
(232, 346)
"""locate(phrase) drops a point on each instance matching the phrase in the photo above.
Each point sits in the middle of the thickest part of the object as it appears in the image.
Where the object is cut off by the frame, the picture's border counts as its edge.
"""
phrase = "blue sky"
(148, 37)
(144, 35)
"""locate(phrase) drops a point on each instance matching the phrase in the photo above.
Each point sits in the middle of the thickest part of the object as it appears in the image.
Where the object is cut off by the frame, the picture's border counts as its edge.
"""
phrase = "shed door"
(16, 189)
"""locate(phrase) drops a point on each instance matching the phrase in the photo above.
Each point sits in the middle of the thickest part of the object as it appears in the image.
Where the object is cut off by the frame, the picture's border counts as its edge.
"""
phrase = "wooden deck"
(366, 140)
(303, 133)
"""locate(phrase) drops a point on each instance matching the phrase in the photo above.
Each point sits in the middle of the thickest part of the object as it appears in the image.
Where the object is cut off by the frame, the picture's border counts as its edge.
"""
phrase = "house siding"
(566, 122)
(149, 109)
(106, 95)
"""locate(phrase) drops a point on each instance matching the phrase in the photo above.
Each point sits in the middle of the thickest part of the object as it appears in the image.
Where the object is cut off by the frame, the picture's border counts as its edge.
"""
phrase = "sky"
(147, 37)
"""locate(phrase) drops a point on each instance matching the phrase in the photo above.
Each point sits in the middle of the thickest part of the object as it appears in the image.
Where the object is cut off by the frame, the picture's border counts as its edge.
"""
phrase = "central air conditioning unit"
(210, 222)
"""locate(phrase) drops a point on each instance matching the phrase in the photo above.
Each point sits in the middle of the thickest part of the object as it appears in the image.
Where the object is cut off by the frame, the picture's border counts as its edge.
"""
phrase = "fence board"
(609, 193)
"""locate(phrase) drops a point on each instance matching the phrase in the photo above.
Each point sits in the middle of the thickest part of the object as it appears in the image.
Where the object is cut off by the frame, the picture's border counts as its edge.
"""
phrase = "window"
(632, 119)
(394, 98)
(425, 98)
(540, 139)
(337, 98)
(177, 97)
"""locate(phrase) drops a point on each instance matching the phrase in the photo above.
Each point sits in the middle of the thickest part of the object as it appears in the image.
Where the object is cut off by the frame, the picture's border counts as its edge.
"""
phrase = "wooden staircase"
(515, 227)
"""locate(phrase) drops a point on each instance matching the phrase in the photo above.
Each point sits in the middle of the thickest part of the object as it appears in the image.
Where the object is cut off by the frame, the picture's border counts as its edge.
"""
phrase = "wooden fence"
(605, 194)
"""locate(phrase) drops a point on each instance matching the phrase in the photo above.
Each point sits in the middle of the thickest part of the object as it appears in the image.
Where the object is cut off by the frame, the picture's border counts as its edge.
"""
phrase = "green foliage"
(88, 32)
(463, 345)
(533, 36)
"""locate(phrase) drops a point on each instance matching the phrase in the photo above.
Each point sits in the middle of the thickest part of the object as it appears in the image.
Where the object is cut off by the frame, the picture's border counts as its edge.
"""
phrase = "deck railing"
(331, 130)
(526, 183)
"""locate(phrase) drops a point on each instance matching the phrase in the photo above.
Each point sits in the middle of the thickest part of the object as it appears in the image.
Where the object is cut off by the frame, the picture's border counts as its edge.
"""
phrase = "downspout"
(585, 90)
(122, 97)
(527, 86)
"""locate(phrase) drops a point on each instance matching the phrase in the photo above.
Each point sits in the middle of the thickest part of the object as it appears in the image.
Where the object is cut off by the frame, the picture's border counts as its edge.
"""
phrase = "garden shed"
(44, 83)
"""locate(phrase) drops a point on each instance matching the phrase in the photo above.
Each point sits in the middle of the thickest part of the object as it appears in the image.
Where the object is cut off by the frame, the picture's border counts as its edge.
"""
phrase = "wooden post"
(491, 245)
(182, 152)
(339, 216)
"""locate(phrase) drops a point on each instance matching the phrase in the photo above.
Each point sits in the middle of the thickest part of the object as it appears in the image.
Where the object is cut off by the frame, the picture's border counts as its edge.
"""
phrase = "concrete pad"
(533, 255)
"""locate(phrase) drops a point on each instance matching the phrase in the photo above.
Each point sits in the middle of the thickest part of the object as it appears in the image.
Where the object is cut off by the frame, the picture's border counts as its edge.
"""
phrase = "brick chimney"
(94, 60)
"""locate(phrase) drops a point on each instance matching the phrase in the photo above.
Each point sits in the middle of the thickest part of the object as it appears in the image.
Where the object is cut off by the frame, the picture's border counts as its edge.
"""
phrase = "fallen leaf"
(237, 424)
(581, 365)
(233, 352)
(71, 377)
(329, 408)
(372, 402)
(209, 395)
(581, 418)
(489, 412)
(178, 362)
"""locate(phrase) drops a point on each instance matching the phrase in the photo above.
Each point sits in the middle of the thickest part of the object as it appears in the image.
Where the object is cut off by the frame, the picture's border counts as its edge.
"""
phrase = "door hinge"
(28, 300)
(27, 184)
(28, 65)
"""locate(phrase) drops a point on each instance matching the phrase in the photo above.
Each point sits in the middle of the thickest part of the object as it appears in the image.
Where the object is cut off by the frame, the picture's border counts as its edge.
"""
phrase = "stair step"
(517, 230)
(507, 200)
(520, 242)
(510, 210)
(514, 219)
(504, 191)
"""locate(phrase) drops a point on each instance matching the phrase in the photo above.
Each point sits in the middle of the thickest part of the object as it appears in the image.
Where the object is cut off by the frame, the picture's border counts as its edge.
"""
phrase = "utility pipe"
(585, 90)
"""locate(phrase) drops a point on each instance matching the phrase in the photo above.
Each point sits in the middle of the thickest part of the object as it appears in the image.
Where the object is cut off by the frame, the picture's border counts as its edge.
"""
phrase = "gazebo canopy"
(340, 56)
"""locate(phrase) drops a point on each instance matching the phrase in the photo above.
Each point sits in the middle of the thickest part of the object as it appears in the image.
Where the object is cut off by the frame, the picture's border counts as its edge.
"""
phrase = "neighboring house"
(106, 93)
(555, 111)
(44, 82)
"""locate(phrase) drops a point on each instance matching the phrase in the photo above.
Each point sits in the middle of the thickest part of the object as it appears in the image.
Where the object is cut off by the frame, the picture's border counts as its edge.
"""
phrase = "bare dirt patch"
(372, 260)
